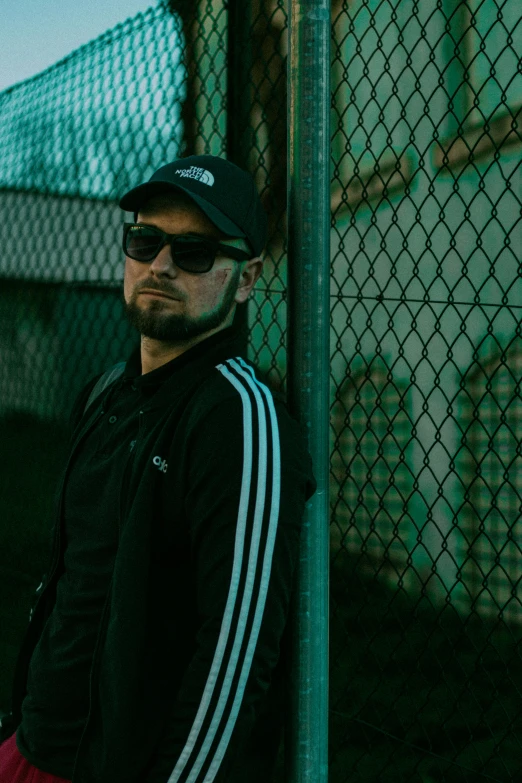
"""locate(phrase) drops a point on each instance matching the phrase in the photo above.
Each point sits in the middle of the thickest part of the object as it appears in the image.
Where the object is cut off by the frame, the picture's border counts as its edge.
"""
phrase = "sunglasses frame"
(213, 245)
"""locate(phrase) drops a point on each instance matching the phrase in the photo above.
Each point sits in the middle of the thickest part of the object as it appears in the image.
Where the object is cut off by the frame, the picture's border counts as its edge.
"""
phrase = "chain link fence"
(426, 415)
(426, 343)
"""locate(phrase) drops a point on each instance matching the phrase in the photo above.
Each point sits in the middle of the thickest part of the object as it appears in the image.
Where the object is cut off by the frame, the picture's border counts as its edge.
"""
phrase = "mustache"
(153, 286)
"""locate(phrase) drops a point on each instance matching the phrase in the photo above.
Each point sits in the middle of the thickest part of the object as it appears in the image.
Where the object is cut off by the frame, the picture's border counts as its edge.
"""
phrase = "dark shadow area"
(32, 455)
(419, 693)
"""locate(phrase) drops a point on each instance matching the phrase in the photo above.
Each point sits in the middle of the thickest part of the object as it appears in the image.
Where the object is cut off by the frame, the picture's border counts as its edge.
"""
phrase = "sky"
(35, 34)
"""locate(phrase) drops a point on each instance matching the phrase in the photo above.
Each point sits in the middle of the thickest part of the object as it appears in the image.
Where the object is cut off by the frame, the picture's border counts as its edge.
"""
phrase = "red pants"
(14, 768)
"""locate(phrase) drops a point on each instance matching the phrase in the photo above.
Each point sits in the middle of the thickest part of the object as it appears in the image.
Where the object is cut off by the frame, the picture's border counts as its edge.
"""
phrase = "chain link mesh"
(425, 421)
(426, 343)
(73, 139)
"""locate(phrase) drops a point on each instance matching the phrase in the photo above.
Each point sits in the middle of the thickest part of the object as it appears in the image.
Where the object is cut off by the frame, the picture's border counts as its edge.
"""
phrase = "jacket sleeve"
(248, 478)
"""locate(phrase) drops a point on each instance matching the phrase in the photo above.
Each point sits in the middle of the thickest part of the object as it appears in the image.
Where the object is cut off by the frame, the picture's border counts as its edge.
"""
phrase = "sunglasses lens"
(193, 255)
(142, 243)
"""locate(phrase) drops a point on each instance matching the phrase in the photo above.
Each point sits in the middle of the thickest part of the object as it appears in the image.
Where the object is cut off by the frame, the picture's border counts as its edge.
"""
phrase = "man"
(154, 651)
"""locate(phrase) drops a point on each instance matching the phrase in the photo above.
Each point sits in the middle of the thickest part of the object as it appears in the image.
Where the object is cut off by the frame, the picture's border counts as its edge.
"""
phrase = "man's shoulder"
(92, 391)
(236, 379)
(236, 393)
(236, 384)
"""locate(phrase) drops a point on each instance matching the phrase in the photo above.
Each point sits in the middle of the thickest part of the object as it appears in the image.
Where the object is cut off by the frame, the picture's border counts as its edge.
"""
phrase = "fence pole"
(306, 756)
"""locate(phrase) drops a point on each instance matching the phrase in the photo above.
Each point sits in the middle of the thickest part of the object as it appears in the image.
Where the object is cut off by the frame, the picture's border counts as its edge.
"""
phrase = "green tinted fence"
(425, 336)
(426, 454)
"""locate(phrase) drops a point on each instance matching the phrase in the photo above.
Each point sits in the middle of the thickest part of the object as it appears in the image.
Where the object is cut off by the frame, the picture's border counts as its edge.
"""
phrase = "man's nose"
(163, 265)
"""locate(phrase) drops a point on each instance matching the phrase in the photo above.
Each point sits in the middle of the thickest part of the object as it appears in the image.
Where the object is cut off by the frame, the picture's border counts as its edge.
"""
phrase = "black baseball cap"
(226, 194)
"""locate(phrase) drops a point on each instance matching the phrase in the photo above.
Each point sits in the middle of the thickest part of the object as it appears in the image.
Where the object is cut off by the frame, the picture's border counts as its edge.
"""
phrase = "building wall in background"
(426, 249)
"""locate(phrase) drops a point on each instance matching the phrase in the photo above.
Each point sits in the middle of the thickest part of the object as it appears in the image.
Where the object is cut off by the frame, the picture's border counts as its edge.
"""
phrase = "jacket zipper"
(93, 674)
(103, 624)
(126, 471)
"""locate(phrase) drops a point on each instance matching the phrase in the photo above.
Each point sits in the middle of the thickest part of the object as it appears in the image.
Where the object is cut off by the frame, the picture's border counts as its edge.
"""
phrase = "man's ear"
(249, 277)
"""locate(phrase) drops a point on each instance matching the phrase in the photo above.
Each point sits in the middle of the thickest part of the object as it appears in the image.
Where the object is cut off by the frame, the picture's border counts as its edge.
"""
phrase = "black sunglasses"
(189, 251)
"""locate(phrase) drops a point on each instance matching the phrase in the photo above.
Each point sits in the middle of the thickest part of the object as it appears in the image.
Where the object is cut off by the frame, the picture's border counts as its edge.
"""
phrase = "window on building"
(372, 480)
(492, 475)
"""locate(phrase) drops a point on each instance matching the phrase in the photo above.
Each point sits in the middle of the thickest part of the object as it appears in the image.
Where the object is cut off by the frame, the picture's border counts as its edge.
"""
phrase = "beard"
(157, 321)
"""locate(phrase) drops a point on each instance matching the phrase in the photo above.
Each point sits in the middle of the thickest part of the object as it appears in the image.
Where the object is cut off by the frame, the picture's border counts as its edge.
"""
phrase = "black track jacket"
(184, 683)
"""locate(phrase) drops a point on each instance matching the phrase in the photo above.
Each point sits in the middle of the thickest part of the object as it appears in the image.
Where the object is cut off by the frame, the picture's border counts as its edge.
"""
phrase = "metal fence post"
(308, 375)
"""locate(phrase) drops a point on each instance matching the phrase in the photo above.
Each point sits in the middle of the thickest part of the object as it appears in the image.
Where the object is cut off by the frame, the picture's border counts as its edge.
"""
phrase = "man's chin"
(150, 323)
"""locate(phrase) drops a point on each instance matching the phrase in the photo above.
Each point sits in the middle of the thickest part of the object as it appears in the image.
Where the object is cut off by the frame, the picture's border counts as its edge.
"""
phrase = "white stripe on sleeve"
(257, 463)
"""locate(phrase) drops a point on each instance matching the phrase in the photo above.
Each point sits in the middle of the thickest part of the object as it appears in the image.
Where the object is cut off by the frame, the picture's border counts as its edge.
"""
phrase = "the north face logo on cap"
(194, 172)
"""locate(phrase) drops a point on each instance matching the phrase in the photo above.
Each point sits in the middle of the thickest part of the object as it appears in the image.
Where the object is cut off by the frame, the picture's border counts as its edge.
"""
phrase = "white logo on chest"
(161, 464)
